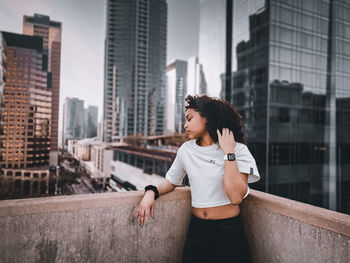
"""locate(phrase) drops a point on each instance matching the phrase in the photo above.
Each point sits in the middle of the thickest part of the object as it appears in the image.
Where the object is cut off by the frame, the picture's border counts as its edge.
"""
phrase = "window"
(284, 114)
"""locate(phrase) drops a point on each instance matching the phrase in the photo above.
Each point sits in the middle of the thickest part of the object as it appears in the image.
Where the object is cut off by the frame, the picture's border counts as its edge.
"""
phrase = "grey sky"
(83, 33)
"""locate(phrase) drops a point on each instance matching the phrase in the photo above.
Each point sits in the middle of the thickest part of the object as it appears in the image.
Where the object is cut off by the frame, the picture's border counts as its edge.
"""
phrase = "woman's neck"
(205, 140)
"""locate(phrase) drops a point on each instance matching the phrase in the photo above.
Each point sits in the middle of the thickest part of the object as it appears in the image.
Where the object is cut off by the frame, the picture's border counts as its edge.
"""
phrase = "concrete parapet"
(104, 228)
(283, 230)
(93, 228)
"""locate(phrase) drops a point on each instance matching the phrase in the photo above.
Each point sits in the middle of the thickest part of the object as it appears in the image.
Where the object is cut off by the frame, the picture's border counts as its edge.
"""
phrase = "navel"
(205, 214)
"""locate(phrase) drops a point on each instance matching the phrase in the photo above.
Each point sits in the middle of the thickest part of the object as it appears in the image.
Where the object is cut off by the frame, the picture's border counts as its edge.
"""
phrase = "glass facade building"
(135, 64)
(176, 88)
(73, 120)
(196, 84)
(290, 81)
(91, 121)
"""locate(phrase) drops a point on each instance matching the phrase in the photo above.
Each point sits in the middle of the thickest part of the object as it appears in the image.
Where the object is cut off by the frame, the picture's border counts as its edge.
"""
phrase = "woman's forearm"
(163, 188)
(235, 183)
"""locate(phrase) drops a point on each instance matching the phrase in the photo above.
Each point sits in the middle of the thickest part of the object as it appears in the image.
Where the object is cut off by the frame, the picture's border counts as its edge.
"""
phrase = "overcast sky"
(83, 34)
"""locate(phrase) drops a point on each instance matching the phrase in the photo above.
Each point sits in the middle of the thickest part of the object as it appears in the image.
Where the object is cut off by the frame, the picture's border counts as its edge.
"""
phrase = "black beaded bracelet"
(154, 189)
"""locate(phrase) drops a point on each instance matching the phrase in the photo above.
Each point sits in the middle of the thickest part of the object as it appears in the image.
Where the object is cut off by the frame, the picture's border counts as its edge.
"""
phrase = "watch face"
(231, 156)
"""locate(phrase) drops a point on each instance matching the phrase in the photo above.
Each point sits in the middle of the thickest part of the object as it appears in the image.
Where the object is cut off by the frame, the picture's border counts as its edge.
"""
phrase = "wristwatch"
(229, 157)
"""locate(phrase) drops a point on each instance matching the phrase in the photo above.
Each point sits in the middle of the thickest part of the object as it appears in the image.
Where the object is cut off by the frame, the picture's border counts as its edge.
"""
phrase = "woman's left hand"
(226, 140)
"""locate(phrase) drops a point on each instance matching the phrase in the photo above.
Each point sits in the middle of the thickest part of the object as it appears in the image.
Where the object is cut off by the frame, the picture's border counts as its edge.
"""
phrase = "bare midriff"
(217, 212)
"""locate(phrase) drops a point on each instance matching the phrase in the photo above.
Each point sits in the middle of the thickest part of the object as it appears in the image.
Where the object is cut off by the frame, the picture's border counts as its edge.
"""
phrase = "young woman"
(219, 167)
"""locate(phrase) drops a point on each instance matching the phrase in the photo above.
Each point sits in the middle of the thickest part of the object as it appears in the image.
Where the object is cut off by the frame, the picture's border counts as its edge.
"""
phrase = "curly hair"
(219, 114)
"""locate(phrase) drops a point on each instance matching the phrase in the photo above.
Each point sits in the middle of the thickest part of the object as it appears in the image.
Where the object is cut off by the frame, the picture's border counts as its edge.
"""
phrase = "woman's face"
(195, 124)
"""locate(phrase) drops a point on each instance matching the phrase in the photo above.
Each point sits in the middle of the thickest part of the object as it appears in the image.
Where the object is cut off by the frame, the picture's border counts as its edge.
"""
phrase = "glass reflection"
(290, 80)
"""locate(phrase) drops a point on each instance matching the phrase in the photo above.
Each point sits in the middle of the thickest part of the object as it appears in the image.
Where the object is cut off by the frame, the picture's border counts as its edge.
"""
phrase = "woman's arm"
(235, 182)
(173, 177)
(165, 187)
(147, 204)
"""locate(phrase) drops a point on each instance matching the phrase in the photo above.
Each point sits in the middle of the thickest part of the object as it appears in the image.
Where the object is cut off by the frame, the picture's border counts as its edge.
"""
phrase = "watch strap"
(154, 189)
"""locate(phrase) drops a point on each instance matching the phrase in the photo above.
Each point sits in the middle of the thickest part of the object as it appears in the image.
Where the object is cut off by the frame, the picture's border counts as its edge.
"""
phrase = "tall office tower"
(50, 31)
(196, 84)
(91, 118)
(290, 75)
(176, 76)
(26, 116)
(73, 120)
(134, 73)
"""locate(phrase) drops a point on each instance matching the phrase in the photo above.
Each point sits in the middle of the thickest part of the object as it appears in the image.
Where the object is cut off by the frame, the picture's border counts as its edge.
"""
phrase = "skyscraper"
(176, 89)
(196, 84)
(290, 63)
(134, 73)
(73, 120)
(26, 116)
(90, 123)
(50, 31)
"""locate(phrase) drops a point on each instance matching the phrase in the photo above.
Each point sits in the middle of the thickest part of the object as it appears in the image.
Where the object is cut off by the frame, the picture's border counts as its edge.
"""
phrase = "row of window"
(22, 188)
(148, 165)
(28, 164)
(25, 174)
(298, 153)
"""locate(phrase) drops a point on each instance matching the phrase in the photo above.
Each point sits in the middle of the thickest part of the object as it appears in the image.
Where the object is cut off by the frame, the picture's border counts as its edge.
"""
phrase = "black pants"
(216, 240)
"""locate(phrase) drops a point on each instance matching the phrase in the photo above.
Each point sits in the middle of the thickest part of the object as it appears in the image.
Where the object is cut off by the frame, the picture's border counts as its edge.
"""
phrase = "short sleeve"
(246, 164)
(176, 172)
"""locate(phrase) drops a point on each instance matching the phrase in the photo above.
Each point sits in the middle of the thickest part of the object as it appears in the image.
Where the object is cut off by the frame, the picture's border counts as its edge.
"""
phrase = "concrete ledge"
(44, 205)
(93, 228)
(317, 216)
(103, 228)
(283, 230)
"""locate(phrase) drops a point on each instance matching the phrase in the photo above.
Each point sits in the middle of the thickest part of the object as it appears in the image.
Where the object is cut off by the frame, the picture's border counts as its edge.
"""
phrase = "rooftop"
(23, 41)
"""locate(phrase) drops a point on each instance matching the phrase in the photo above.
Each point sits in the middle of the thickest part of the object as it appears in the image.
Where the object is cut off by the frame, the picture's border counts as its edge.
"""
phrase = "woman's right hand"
(146, 208)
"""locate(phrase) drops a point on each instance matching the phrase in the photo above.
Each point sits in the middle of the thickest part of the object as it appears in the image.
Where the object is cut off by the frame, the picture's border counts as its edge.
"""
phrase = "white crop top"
(205, 169)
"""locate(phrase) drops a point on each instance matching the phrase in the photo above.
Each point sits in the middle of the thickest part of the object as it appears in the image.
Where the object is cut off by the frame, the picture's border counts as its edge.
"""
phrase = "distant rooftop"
(42, 19)
(23, 41)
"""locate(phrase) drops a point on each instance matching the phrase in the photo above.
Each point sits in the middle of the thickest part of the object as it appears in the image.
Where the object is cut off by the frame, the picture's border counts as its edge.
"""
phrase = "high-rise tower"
(175, 95)
(25, 120)
(135, 64)
(50, 31)
(73, 120)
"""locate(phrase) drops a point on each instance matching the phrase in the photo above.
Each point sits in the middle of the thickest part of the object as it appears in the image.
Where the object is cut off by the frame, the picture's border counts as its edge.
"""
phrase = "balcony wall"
(103, 228)
(283, 230)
